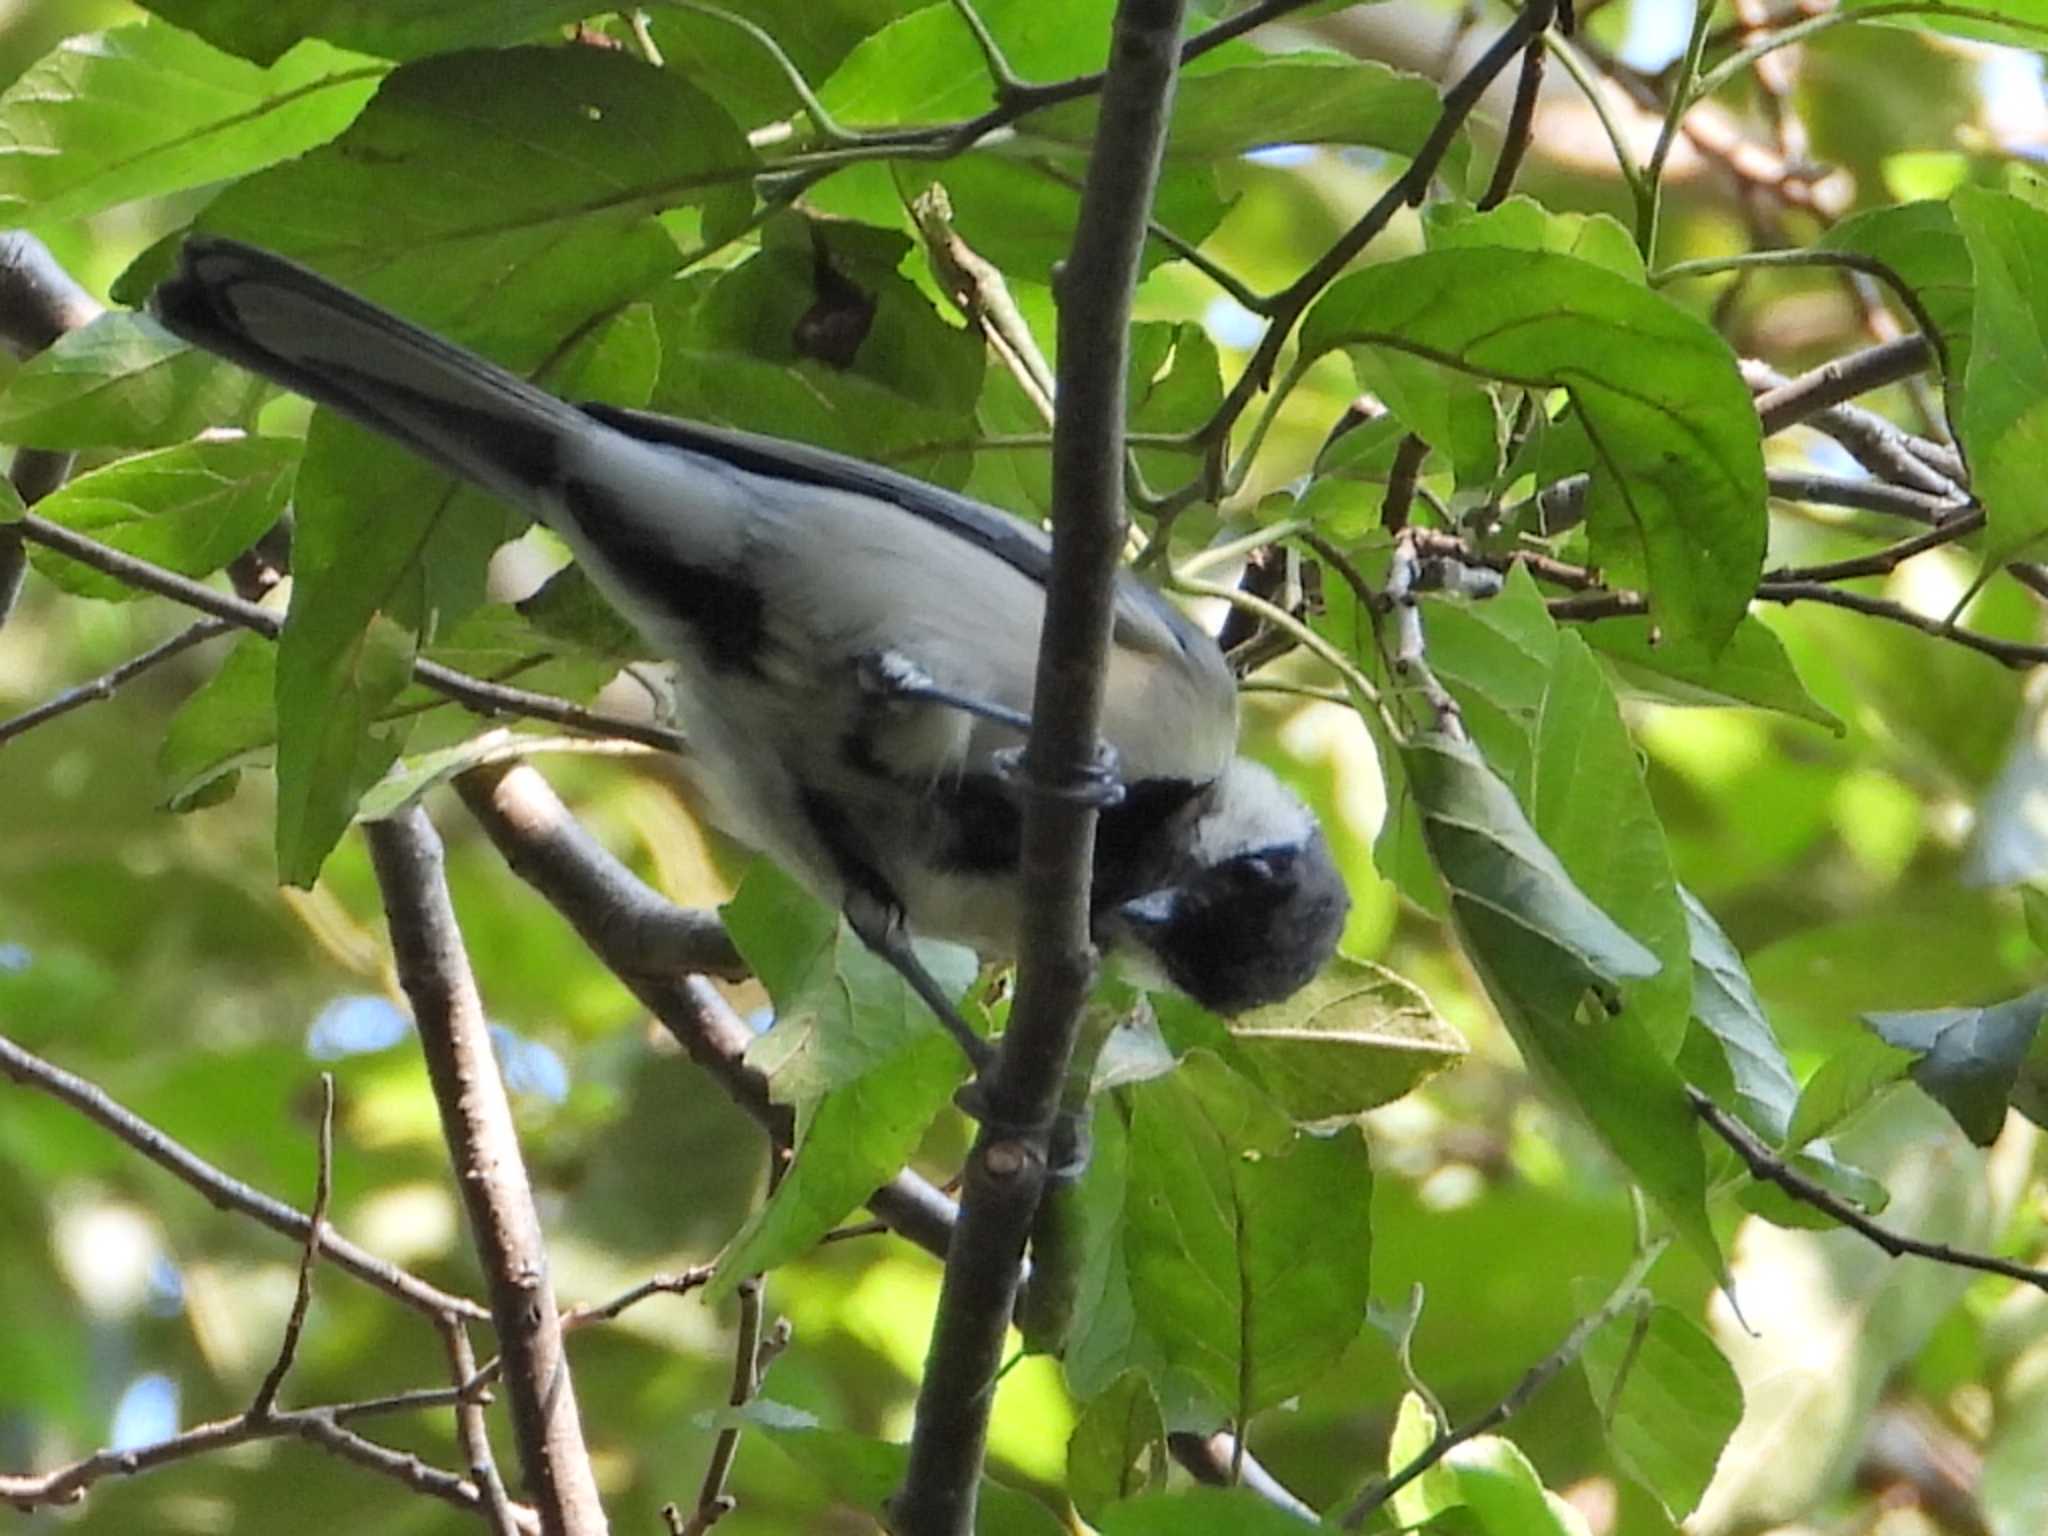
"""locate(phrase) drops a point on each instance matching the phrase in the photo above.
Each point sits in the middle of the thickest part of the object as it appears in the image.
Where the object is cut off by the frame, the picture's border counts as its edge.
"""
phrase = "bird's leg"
(893, 675)
(879, 925)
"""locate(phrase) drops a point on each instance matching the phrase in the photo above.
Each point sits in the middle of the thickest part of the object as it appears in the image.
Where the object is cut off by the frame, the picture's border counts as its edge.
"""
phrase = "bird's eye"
(1253, 870)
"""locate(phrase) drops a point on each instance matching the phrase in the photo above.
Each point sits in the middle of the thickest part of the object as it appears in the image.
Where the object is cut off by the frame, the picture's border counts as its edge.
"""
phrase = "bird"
(854, 653)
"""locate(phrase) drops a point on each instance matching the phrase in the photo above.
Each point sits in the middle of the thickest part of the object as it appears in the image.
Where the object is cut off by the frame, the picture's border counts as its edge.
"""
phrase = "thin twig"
(1766, 1165)
(1521, 119)
(472, 1432)
(318, 1426)
(1291, 303)
(302, 1297)
(714, 1503)
(1865, 495)
(484, 697)
(104, 686)
(1624, 1295)
(223, 1191)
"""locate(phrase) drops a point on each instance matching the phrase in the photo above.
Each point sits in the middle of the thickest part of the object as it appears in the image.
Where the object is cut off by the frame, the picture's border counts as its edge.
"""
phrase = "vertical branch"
(1006, 1172)
(476, 1118)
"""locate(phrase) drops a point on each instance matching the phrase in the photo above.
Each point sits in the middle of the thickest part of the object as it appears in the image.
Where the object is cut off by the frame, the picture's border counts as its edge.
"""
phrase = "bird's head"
(1256, 908)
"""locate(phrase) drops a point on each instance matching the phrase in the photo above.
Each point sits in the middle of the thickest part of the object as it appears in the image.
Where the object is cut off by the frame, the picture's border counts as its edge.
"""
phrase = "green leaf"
(1969, 1058)
(1501, 1489)
(1508, 890)
(2005, 400)
(733, 353)
(853, 1048)
(1752, 669)
(1356, 1037)
(393, 29)
(1678, 490)
(1118, 1448)
(1202, 1512)
(925, 67)
(527, 134)
(1540, 945)
(1415, 1430)
(840, 1009)
(1922, 243)
(139, 111)
(1669, 1399)
(190, 509)
(569, 609)
(411, 777)
(1725, 1002)
(1246, 1243)
(1238, 98)
(1844, 1083)
(2034, 905)
(1521, 223)
(332, 683)
(123, 381)
(864, 1472)
(2022, 23)
(816, 35)
(229, 724)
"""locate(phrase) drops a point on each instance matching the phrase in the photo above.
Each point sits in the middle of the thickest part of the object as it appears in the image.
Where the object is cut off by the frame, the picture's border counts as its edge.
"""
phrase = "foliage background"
(155, 955)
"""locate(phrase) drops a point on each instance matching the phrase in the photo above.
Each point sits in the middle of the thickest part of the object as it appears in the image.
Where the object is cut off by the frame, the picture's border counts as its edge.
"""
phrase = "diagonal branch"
(476, 1120)
(223, 1191)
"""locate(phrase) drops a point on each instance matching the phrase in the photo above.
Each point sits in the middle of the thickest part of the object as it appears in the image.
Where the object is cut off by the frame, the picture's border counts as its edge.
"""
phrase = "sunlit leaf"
(1678, 491)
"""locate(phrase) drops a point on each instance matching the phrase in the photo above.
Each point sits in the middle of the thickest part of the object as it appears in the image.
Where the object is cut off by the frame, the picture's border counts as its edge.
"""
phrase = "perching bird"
(854, 650)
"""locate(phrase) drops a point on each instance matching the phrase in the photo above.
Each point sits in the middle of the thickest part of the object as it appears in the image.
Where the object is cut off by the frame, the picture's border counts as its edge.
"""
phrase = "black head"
(1259, 910)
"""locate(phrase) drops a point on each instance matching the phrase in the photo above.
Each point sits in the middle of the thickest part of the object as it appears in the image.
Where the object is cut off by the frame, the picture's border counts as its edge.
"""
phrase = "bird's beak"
(1152, 911)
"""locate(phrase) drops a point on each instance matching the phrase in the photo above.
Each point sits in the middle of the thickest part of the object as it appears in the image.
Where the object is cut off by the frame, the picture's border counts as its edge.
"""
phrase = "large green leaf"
(122, 381)
(142, 110)
(855, 1051)
(1245, 1243)
(1356, 1037)
(1238, 98)
(1752, 669)
(2005, 404)
(393, 29)
(190, 509)
(518, 262)
(1669, 1399)
(734, 351)
(1922, 244)
(1201, 1512)
(1541, 712)
(2022, 23)
(1541, 946)
(1678, 490)
(814, 35)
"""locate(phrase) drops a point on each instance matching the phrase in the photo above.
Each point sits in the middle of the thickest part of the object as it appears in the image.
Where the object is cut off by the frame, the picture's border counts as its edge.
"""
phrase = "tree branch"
(1007, 1169)
(1625, 1294)
(484, 697)
(647, 942)
(103, 686)
(224, 1192)
(1766, 1165)
(476, 1120)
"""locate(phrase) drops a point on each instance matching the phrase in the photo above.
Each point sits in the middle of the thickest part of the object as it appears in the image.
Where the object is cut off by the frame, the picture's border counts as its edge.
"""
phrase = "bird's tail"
(297, 329)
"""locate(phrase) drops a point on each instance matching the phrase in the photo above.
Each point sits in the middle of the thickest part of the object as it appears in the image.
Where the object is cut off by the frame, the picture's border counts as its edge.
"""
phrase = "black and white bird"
(854, 650)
